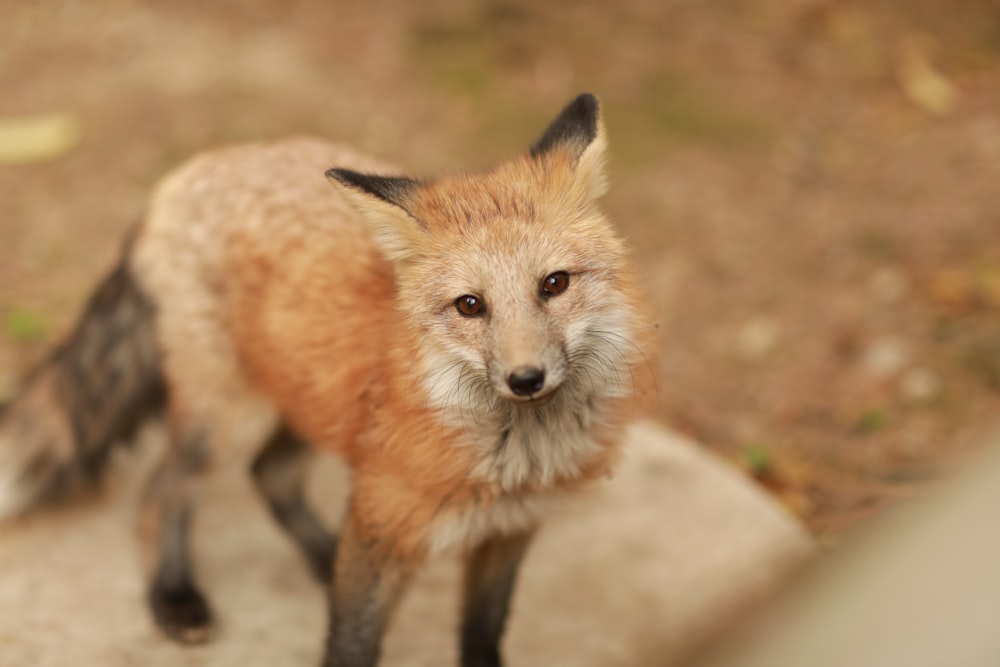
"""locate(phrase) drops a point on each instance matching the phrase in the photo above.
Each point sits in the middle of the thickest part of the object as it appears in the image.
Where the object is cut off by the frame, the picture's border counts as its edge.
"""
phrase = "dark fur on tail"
(94, 390)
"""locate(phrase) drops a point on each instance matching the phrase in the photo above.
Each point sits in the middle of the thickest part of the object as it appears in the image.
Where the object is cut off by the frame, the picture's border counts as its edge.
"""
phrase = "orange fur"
(332, 310)
(471, 346)
(318, 330)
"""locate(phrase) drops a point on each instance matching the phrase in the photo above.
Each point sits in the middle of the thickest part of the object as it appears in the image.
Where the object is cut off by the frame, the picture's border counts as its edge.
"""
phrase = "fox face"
(513, 294)
(515, 280)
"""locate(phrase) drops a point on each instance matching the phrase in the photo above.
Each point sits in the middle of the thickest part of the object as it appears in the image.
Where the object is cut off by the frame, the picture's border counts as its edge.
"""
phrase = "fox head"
(513, 277)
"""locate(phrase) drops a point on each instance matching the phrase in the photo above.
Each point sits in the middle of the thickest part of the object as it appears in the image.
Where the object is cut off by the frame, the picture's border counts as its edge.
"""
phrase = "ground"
(809, 186)
(647, 592)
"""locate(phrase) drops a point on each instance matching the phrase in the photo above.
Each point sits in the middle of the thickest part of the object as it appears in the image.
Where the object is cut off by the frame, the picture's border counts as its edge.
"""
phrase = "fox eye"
(469, 306)
(555, 284)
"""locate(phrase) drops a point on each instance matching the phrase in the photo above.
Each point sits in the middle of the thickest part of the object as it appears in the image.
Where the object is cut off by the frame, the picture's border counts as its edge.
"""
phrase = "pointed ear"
(578, 131)
(381, 201)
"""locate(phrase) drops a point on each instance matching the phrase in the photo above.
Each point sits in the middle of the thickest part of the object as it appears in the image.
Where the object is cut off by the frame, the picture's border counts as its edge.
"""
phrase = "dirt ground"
(629, 575)
(809, 186)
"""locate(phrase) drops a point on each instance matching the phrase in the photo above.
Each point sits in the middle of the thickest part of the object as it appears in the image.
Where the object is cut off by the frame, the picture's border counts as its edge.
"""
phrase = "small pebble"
(884, 357)
(757, 337)
(920, 385)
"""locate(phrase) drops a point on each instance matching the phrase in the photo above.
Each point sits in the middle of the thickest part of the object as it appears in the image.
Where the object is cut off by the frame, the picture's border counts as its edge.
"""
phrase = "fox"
(472, 345)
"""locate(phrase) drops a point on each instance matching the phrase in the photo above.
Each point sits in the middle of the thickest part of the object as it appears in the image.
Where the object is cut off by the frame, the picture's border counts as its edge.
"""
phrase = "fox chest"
(516, 459)
(530, 461)
(464, 527)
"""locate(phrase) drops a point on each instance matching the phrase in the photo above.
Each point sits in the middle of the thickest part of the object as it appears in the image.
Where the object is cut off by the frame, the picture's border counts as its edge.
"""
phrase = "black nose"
(526, 380)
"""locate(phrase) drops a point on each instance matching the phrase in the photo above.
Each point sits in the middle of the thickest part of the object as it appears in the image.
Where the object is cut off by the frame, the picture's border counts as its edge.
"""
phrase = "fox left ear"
(578, 131)
(382, 202)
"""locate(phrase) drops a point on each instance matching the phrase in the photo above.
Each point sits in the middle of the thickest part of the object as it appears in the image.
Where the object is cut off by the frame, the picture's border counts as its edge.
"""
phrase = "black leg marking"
(491, 571)
(367, 584)
(179, 608)
(279, 472)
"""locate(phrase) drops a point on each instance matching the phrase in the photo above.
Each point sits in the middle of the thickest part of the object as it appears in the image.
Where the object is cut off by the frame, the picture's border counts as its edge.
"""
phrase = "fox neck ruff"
(533, 447)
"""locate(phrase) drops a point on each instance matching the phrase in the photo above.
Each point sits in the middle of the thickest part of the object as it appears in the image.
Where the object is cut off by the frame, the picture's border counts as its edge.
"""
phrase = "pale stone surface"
(631, 574)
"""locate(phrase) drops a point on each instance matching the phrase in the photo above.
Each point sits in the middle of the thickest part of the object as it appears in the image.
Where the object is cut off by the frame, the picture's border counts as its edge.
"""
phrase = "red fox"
(469, 344)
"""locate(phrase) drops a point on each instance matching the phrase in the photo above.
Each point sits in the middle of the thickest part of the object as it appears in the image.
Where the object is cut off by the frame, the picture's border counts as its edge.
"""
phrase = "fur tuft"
(94, 390)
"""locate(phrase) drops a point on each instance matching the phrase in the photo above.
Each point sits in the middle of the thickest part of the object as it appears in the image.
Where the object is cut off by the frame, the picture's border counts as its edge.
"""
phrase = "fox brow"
(469, 201)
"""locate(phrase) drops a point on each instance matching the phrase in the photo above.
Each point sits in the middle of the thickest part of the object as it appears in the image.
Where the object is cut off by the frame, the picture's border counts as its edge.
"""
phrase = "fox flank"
(471, 345)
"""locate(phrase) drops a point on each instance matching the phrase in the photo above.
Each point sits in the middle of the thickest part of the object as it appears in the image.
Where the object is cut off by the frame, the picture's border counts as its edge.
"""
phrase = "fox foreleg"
(369, 578)
(491, 571)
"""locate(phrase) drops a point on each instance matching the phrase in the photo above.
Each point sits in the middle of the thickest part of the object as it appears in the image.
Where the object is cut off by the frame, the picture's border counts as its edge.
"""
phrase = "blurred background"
(809, 186)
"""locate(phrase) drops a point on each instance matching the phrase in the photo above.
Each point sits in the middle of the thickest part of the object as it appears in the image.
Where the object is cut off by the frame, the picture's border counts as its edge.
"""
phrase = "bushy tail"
(94, 390)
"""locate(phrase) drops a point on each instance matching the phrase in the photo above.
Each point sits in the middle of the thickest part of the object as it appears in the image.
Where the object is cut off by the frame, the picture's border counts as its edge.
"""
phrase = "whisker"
(600, 333)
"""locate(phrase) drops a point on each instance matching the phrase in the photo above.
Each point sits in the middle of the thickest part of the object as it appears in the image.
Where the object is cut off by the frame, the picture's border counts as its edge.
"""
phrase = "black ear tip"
(354, 179)
(587, 102)
(392, 189)
(339, 175)
(584, 106)
(577, 125)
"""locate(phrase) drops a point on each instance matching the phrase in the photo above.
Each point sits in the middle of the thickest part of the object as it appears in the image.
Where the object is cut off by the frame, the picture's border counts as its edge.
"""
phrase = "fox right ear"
(381, 201)
(578, 132)
(574, 128)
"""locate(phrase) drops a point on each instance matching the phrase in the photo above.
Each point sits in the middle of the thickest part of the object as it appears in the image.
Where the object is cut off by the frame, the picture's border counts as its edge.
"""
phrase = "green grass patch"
(981, 357)
(758, 459)
(22, 325)
(870, 421)
(873, 244)
(463, 52)
(673, 107)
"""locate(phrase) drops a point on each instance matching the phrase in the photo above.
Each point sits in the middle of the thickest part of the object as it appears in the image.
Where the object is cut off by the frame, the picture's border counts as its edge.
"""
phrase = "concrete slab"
(631, 574)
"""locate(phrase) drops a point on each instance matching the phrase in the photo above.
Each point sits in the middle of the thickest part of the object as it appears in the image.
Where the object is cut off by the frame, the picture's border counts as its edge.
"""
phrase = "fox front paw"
(182, 613)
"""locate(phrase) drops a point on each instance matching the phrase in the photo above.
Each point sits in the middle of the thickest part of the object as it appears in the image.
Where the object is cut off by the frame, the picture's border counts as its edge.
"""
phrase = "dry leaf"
(972, 288)
(928, 88)
(951, 287)
(37, 138)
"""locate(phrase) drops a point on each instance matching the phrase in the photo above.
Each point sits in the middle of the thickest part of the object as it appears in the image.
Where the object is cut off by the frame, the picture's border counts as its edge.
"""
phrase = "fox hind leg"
(491, 571)
(179, 607)
(279, 472)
